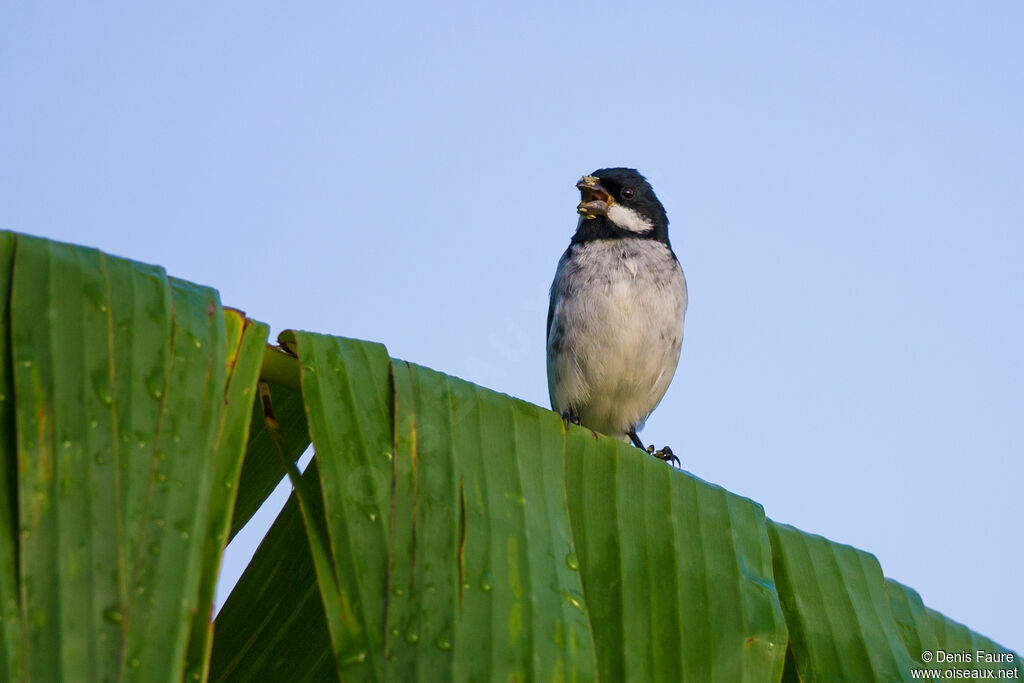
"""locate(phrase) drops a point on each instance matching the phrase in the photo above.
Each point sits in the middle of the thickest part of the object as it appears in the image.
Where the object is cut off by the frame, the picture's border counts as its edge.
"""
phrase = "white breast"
(616, 331)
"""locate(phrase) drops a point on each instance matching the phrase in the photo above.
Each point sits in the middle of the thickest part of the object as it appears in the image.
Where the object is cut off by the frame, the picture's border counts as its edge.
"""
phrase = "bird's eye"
(628, 192)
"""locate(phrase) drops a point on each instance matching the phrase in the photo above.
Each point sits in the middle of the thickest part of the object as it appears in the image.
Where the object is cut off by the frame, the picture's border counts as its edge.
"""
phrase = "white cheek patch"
(628, 219)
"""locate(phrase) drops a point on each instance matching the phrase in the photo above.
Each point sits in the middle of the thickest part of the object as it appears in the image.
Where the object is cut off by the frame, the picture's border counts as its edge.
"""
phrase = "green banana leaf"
(683, 569)
(926, 631)
(131, 402)
(263, 467)
(442, 531)
(11, 662)
(837, 610)
(272, 627)
(913, 623)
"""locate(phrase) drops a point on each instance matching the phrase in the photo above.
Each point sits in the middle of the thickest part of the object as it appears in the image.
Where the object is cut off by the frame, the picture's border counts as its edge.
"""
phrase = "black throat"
(601, 228)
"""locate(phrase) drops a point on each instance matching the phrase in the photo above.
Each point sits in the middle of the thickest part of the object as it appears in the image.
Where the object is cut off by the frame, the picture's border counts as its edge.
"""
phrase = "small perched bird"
(615, 321)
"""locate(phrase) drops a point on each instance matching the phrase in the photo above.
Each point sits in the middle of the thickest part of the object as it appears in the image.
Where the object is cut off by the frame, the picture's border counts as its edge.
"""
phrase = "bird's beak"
(595, 199)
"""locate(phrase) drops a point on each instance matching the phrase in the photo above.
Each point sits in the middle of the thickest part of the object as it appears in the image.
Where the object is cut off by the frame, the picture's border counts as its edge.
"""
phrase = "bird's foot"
(570, 417)
(665, 454)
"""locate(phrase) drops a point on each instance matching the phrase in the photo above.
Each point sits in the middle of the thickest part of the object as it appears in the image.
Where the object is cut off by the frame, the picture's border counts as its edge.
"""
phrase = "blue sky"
(845, 185)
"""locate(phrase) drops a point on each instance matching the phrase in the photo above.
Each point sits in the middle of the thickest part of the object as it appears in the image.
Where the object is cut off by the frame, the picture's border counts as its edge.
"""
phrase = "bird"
(616, 311)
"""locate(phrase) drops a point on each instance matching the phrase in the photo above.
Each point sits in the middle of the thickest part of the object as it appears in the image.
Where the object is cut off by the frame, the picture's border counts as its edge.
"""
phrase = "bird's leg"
(664, 454)
(570, 417)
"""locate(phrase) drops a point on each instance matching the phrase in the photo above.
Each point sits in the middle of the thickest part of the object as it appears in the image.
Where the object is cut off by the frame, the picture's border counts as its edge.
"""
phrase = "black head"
(619, 202)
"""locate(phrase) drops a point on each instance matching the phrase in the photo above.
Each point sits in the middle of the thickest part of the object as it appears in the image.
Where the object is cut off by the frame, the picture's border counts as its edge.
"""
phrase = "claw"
(570, 417)
(666, 454)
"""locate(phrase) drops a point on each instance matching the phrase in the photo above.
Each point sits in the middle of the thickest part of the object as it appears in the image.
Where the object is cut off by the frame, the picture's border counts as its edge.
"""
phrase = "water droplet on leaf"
(353, 659)
(96, 297)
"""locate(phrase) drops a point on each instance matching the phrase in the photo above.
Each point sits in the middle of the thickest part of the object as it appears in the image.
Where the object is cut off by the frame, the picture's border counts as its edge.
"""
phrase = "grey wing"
(550, 352)
(553, 294)
(547, 346)
(559, 365)
(551, 315)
